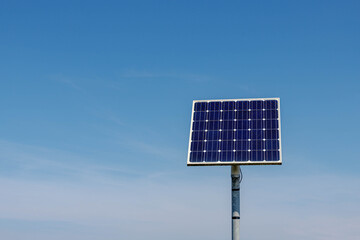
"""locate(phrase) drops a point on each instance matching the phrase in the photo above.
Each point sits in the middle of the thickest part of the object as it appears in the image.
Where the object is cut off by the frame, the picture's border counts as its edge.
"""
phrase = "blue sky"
(95, 100)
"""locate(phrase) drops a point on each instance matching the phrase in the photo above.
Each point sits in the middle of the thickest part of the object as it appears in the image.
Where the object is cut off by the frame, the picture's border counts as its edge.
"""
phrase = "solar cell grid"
(235, 132)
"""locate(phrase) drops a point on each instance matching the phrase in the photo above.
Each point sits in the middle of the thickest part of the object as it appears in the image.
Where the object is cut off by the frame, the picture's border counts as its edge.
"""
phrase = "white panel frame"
(218, 163)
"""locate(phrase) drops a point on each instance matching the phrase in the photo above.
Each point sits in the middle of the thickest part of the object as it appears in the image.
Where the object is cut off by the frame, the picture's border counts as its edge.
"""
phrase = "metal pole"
(235, 201)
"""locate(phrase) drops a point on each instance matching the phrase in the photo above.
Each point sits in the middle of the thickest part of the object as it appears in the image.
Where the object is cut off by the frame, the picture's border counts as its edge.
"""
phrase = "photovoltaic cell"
(242, 131)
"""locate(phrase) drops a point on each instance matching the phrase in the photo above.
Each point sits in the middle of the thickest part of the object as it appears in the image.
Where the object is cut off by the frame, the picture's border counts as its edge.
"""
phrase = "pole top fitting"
(235, 170)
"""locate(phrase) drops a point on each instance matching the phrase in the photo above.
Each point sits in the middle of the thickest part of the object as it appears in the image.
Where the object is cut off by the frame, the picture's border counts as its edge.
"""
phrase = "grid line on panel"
(251, 133)
(264, 129)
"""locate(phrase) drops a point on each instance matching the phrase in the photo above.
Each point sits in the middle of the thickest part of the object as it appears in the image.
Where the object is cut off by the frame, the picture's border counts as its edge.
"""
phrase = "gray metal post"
(235, 201)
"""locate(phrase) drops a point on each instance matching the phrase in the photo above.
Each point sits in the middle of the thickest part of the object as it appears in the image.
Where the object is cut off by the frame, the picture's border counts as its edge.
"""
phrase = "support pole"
(235, 201)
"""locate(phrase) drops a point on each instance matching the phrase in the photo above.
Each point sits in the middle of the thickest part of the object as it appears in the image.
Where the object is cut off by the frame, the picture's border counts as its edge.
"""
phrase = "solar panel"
(236, 131)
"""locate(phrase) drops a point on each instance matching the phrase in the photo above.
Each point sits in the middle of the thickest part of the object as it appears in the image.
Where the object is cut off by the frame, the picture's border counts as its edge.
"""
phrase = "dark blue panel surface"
(235, 131)
(271, 134)
(228, 115)
(242, 145)
(211, 156)
(242, 105)
(242, 114)
(257, 124)
(271, 114)
(198, 136)
(257, 145)
(242, 124)
(227, 145)
(271, 124)
(257, 134)
(212, 146)
(256, 105)
(213, 125)
(242, 134)
(199, 116)
(197, 146)
(196, 156)
(270, 104)
(257, 156)
(256, 114)
(213, 116)
(242, 156)
(227, 125)
(214, 106)
(228, 106)
(212, 135)
(227, 156)
(199, 126)
(200, 106)
(272, 155)
(227, 135)
(272, 144)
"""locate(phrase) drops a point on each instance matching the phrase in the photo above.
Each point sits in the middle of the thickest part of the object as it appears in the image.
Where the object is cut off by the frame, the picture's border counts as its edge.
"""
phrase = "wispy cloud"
(160, 151)
(153, 75)
(27, 161)
(70, 82)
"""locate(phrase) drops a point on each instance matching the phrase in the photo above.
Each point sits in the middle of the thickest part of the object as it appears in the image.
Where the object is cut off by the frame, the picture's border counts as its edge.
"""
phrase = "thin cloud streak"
(69, 82)
(149, 75)
(155, 150)
(26, 160)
